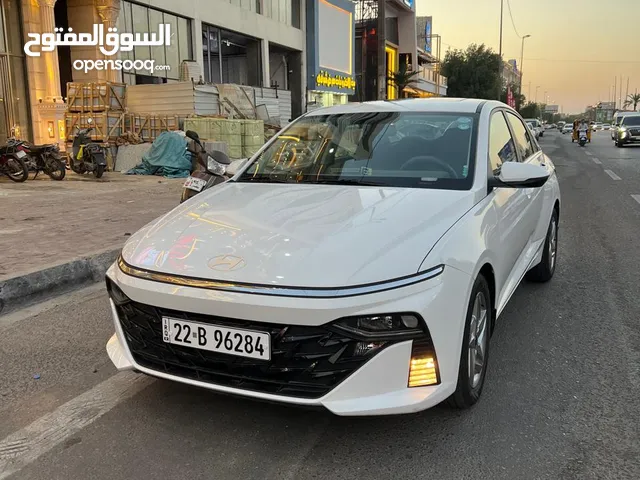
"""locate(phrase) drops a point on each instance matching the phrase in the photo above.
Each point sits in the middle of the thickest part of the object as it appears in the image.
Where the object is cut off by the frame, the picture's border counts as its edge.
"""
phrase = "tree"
(632, 99)
(530, 110)
(472, 73)
(402, 79)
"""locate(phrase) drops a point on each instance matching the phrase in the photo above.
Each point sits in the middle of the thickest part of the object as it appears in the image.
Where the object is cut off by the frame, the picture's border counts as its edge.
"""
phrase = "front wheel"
(17, 170)
(543, 272)
(98, 171)
(475, 347)
(56, 169)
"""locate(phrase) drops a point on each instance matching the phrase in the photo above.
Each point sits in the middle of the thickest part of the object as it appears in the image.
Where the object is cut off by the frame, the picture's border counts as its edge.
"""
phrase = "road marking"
(588, 153)
(24, 446)
(636, 198)
(596, 161)
(612, 175)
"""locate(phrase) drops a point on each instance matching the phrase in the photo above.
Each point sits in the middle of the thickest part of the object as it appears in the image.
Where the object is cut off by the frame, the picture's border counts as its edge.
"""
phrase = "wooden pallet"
(96, 97)
(148, 127)
(107, 126)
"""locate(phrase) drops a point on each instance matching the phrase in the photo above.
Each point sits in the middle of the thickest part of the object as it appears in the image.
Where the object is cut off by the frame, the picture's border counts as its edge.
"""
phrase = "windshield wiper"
(350, 182)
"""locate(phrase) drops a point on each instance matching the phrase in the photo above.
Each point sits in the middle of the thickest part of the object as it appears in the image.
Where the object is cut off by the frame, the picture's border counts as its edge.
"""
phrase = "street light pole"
(501, 68)
(537, 93)
(522, 61)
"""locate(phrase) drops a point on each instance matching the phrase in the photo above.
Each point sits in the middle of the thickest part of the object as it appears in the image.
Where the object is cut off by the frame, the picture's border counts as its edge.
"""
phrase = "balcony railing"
(431, 76)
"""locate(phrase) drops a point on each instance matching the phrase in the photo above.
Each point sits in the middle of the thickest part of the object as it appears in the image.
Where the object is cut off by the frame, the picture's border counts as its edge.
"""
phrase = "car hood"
(298, 235)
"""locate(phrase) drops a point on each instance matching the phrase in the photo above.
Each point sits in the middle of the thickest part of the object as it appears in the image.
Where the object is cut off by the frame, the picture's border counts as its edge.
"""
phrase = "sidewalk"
(45, 223)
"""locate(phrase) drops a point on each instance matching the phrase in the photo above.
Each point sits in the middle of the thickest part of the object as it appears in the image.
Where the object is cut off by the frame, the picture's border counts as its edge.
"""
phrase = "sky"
(576, 49)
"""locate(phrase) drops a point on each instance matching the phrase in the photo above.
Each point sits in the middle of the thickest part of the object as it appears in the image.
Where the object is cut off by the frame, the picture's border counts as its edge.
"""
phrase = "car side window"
(501, 145)
(526, 146)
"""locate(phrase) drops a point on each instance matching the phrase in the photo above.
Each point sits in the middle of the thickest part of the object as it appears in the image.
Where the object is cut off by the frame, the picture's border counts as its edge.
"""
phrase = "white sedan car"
(360, 261)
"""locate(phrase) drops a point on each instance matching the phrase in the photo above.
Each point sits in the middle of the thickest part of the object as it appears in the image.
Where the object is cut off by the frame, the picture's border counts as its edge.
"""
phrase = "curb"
(32, 287)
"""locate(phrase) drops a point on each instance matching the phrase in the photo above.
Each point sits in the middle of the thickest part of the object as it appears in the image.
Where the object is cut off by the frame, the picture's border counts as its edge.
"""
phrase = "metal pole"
(537, 93)
(522, 62)
(615, 92)
(626, 95)
(382, 54)
(501, 66)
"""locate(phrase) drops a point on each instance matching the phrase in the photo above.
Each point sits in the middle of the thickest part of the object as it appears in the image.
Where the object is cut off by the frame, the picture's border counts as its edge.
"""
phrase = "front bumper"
(378, 386)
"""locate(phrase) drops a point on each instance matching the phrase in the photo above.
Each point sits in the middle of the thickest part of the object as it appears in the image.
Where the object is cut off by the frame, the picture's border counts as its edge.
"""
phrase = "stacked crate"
(103, 103)
(252, 136)
(229, 132)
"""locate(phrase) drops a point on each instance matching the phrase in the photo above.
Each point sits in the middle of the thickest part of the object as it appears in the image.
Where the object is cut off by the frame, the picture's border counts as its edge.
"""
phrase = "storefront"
(330, 52)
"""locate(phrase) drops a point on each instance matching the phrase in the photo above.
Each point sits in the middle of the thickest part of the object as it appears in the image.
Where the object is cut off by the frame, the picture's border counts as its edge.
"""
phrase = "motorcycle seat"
(41, 148)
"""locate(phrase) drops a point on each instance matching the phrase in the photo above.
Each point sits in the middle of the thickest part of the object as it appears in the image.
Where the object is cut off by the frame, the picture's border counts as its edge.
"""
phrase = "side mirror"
(193, 136)
(520, 175)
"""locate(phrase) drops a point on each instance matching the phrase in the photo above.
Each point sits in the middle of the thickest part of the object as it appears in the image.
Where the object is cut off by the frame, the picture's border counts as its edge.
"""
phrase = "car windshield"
(397, 149)
(631, 121)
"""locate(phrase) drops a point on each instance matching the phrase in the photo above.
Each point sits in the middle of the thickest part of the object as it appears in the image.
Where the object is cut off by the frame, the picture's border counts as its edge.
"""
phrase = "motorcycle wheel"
(98, 171)
(20, 172)
(56, 169)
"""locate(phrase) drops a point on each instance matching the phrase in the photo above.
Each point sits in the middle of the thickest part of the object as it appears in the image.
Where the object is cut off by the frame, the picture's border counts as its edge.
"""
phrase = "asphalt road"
(561, 401)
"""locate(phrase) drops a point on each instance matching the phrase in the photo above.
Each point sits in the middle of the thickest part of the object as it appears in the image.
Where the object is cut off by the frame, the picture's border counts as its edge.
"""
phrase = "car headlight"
(215, 167)
(383, 327)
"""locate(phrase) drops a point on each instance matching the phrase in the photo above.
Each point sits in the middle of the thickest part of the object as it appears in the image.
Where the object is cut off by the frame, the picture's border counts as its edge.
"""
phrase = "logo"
(226, 263)
(109, 45)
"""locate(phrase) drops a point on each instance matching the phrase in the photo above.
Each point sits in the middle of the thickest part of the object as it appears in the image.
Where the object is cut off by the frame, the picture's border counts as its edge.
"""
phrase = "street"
(560, 402)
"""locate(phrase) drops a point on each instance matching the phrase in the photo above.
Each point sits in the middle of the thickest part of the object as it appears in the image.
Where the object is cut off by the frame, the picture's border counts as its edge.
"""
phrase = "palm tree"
(403, 78)
(632, 99)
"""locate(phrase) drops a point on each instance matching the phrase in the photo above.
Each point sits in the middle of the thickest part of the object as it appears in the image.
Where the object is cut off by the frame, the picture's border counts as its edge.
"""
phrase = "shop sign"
(327, 80)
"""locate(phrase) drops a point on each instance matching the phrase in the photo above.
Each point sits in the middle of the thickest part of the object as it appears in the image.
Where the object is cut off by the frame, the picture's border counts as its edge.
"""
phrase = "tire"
(98, 171)
(619, 144)
(541, 134)
(543, 272)
(469, 388)
(20, 175)
(56, 169)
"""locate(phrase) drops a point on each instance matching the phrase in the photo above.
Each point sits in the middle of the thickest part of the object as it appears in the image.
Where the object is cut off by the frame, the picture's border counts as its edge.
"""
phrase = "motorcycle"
(208, 168)
(582, 137)
(12, 162)
(44, 158)
(87, 156)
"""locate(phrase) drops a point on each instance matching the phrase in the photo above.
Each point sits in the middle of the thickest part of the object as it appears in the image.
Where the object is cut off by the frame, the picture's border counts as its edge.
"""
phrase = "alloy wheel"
(553, 244)
(478, 337)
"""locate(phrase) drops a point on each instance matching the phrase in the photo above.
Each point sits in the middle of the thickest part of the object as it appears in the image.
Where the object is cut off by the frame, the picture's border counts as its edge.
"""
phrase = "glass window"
(156, 19)
(372, 148)
(522, 137)
(633, 121)
(141, 25)
(184, 39)
(211, 47)
(13, 24)
(295, 13)
(501, 146)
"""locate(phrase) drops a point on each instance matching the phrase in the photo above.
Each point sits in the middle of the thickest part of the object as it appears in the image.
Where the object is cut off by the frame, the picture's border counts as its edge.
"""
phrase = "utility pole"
(621, 107)
(615, 92)
(382, 53)
(521, 62)
(501, 65)
(529, 96)
(626, 95)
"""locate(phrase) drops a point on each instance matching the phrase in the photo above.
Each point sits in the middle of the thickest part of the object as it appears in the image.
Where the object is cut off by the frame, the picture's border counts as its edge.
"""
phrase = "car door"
(510, 203)
(528, 152)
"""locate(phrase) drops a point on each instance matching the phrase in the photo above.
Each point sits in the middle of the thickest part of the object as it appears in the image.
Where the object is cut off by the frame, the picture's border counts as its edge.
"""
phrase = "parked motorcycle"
(208, 168)
(87, 156)
(12, 162)
(44, 158)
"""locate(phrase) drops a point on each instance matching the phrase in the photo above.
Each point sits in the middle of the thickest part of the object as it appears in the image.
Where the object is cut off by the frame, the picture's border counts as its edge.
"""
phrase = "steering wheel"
(422, 159)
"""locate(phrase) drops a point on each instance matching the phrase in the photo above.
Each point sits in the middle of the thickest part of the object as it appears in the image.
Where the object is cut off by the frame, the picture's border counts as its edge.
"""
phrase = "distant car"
(606, 126)
(537, 125)
(568, 128)
(596, 126)
(628, 131)
(534, 129)
(561, 125)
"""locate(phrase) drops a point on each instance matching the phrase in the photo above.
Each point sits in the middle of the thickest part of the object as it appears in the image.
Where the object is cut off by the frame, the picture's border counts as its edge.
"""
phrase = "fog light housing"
(116, 294)
(423, 366)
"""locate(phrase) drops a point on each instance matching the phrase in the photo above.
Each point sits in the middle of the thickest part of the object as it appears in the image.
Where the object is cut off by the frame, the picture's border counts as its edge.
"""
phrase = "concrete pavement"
(53, 233)
(561, 399)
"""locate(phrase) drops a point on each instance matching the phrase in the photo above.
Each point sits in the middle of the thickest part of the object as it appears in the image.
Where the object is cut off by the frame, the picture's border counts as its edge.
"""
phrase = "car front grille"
(306, 362)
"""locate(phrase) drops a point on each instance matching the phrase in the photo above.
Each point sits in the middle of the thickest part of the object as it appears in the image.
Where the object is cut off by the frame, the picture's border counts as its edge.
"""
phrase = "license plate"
(20, 154)
(216, 338)
(196, 184)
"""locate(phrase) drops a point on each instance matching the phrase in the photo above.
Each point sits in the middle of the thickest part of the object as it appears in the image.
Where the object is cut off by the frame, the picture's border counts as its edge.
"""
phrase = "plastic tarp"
(167, 157)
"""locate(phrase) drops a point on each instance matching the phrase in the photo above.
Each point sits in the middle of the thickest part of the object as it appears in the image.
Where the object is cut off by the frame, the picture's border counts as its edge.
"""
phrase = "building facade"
(250, 42)
(403, 44)
(330, 52)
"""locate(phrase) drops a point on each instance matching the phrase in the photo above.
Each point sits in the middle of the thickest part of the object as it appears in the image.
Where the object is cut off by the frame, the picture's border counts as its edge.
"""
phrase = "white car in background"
(536, 126)
(568, 128)
(355, 262)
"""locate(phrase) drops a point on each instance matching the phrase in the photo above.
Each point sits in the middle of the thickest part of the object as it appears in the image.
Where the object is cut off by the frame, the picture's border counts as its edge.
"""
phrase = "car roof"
(435, 104)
